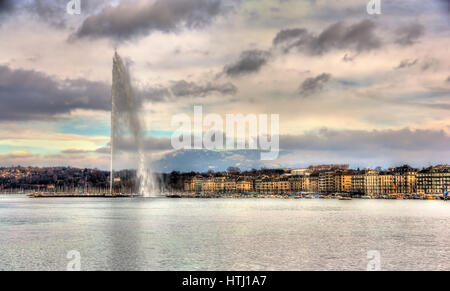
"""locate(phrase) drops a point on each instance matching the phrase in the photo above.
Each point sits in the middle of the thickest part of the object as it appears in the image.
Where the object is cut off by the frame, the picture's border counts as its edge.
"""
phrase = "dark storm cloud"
(131, 19)
(429, 63)
(298, 38)
(289, 34)
(31, 95)
(313, 85)
(249, 62)
(156, 94)
(409, 35)
(52, 12)
(445, 4)
(359, 37)
(406, 64)
(183, 89)
(358, 140)
(6, 6)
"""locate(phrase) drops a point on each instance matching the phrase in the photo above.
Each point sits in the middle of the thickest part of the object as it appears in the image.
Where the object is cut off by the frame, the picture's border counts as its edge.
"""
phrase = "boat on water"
(173, 196)
(311, 196)
(345, 198)
(366, 197)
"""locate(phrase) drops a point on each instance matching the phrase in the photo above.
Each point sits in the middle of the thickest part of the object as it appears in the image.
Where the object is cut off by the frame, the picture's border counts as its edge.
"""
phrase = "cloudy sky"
(369, 90)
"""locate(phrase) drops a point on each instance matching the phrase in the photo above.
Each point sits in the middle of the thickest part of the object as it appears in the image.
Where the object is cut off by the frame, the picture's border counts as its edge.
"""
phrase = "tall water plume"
(125, 120)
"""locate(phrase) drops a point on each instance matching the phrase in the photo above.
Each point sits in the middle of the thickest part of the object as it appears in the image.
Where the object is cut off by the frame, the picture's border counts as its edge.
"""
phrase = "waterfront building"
(371, 183)
(313, 183)
(405, 179)
(433, 180)
(343, 181)
(385, 184)
(258, 185)
(358, 182)
(282, 185)
(208, 185)
(327, 182)
(395, 181)
(220, 184)
(299, 183)
(265, 185)
(198, 185)
(230, 185)
(244, 186)
(193, 184)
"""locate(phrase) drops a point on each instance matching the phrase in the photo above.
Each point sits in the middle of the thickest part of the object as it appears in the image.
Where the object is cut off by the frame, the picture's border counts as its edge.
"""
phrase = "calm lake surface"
(223, 234)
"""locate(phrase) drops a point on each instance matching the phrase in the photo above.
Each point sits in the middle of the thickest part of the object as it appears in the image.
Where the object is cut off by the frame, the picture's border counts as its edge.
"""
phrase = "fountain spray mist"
(124, 113)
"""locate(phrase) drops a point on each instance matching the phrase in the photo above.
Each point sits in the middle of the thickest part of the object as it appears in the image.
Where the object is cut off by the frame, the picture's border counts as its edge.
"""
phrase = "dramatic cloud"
(429, 63)
(446, 4)
(408, 35)
(31, 95)
(359, 37)
(131, 19)
(406, 64)
(313, 85)
(52, 12)
(183, 89)
(360, 140)
(6, 6)
(249, 62)
(288, 35)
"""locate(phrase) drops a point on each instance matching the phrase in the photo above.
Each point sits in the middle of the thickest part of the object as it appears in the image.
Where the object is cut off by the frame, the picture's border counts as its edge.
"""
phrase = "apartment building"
(313, 183)
(299, 183)
(433, 180)
(230, 185)
(208, 185)
(327, 182)
(282, 185)
(244, 186)
(343, 181)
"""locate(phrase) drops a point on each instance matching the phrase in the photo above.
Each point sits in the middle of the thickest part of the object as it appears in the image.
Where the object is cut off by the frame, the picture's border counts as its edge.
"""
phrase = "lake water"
(223, 234)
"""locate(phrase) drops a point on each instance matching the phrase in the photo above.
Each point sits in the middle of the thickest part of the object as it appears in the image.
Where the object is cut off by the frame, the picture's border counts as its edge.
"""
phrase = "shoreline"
(187, 195)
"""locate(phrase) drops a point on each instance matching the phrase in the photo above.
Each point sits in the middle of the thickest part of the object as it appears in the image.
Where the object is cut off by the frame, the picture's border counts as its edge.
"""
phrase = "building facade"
(433, 180)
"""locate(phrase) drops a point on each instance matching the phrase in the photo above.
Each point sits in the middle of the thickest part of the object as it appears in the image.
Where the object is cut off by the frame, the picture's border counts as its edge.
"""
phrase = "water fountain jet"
(124, 113)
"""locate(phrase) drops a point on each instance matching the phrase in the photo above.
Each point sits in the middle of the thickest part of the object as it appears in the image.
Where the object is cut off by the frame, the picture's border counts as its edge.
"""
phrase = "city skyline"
(398, 182)
(368, 90)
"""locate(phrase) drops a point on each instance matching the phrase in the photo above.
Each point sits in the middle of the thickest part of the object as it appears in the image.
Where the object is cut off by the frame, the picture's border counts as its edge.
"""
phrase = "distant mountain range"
(204, 160)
